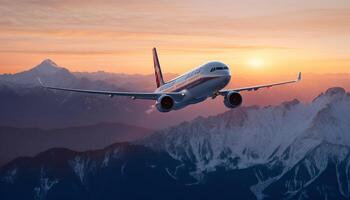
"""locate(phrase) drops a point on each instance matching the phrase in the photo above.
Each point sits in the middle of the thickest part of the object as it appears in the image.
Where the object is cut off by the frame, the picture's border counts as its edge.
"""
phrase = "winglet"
(299, 76)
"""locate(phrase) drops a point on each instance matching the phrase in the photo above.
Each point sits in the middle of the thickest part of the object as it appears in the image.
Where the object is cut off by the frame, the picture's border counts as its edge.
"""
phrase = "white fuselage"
(199, 84)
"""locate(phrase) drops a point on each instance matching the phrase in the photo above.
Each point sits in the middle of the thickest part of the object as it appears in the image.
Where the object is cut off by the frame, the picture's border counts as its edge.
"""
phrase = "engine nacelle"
(165, 103)
(233, 99)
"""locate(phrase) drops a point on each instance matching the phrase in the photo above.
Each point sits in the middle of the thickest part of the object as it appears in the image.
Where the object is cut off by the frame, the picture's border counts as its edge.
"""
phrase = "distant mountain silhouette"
(25, 104)
(47, 70)
(17, 142)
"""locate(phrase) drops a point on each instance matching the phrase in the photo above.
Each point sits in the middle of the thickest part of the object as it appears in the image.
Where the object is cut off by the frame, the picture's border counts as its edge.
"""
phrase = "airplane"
(207, 80)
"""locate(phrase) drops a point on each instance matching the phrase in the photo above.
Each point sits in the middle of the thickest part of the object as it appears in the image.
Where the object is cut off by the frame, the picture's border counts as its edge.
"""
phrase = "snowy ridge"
(86, 165)
(246, 137)
(45, 184)
(298, 181)
(295, 143)
(81, 167)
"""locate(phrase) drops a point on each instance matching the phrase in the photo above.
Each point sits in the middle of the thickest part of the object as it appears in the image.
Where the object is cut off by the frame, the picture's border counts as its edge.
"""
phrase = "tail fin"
(157, 70)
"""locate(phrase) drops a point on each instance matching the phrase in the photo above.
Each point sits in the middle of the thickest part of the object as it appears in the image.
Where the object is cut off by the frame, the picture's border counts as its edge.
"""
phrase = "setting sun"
(255, 62)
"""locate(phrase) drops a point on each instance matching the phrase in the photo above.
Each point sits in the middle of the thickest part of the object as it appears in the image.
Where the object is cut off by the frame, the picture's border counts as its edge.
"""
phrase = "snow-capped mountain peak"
(332, 94)
(46, 67)
(47, 70)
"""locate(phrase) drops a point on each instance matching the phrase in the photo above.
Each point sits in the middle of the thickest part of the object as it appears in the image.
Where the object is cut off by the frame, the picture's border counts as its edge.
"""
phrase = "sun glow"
(255, 63)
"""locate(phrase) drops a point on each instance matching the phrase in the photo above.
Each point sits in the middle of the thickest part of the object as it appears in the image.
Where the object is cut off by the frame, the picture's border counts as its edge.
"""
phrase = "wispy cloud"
(112, 28)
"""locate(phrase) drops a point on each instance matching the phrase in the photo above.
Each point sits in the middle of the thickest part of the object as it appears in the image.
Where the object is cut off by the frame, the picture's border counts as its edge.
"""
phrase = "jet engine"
(165, 103)
(233, 99)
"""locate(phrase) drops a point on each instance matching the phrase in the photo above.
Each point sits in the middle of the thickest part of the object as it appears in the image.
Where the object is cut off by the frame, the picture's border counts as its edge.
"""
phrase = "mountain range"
(25, 104)
(293, 150)
(16, 142)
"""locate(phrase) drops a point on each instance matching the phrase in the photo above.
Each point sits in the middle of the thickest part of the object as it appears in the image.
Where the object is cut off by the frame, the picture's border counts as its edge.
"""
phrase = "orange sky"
(253, 37)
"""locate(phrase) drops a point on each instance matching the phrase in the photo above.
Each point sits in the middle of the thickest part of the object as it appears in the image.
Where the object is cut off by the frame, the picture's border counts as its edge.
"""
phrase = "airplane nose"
(227, 79)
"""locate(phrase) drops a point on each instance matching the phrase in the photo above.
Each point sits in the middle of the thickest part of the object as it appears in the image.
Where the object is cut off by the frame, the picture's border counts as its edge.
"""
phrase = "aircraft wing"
(133, 95)
(257, 87)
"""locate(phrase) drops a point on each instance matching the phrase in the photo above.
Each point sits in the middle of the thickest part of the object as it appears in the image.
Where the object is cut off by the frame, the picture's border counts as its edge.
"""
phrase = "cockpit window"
(218, 68)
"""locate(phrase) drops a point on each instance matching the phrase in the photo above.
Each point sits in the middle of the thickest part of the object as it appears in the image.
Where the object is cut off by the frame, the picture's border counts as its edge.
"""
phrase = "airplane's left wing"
(257, 87)
(133, 95)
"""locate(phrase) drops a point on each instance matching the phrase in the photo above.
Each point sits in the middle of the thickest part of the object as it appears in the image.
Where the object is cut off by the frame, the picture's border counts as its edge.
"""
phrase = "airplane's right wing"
(133, 95)
(257, 87)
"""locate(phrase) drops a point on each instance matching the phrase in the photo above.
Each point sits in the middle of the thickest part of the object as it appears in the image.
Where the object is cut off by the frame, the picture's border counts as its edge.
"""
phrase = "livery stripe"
(195, 83)
(157, 70)
(191, 84)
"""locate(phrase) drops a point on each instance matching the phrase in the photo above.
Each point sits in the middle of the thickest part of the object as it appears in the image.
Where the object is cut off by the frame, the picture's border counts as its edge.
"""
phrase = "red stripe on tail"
(157, 69)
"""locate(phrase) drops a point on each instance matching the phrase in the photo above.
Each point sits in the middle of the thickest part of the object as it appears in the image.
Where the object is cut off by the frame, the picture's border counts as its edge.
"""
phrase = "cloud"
(63, 52)
(170, 17)
(190, 30)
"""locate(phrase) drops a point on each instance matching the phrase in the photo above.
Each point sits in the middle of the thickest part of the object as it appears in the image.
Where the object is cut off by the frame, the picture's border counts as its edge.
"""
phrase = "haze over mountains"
(291, 151)
(25, 104)
(26, 108)
(131, 82)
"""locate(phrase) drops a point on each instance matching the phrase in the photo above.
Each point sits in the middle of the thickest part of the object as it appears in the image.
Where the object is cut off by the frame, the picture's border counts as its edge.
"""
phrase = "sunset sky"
(275, 36)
